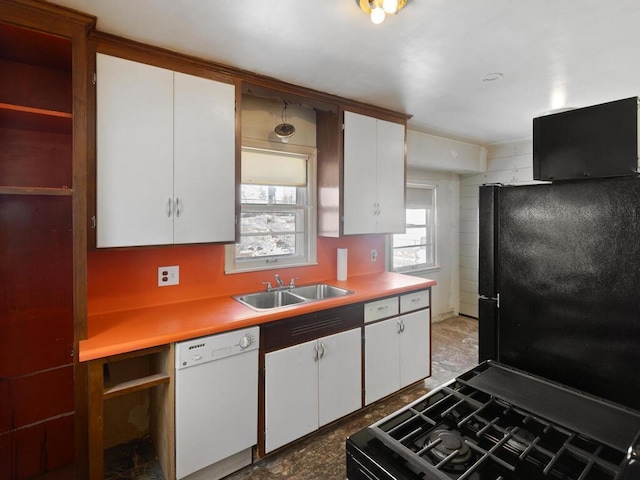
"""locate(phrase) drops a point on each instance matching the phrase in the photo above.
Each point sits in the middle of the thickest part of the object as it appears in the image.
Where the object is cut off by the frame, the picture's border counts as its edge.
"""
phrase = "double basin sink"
(290, 296)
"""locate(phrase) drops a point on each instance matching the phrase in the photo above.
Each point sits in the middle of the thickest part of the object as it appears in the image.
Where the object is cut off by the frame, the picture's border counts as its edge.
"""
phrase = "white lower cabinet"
(311, 384)
(397, 350)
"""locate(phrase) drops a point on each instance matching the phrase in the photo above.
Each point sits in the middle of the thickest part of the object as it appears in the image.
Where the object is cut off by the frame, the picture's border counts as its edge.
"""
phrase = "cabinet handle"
(178, 207)
(321, 349)
(416, 299)
(316, 357)
(400, 325)
(169, 207)
(383, 308)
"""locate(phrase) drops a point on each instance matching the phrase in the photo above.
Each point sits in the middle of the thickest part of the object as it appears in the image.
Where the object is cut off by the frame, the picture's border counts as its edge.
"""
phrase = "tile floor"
(321, 456)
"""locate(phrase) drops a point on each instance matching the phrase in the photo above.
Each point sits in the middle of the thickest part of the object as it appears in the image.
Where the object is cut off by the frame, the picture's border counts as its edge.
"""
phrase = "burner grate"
(460, 432)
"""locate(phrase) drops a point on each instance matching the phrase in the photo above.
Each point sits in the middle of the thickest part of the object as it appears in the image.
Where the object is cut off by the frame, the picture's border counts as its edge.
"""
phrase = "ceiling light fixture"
(492, 77)
(284, 130)
(379, 9)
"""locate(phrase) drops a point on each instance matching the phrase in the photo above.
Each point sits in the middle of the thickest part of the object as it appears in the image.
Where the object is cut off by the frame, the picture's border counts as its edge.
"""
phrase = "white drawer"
(414, 301)
(380, 309)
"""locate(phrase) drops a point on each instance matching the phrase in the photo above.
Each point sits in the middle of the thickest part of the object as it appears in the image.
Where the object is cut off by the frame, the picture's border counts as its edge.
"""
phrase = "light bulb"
(390, 6)
(377, 15)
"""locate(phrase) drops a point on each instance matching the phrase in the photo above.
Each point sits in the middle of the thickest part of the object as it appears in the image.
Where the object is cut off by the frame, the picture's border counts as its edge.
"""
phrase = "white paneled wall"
(509, 164)
(439, 161)
(445, 300)
(468, 248)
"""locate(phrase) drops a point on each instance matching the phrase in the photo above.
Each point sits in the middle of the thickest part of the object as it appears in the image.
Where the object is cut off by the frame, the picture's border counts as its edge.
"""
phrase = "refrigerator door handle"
(496, 298)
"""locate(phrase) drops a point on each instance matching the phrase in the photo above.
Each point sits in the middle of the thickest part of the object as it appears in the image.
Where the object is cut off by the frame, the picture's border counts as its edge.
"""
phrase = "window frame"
(305, 208)
(422, 267)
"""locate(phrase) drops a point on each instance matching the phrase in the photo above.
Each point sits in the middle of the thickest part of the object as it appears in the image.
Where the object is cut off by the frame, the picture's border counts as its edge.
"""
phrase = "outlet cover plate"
(168, 276)
(374, 255)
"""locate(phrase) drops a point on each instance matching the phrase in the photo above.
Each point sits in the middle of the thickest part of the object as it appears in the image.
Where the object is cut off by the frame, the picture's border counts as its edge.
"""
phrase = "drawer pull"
(416, 299)
(384, 307)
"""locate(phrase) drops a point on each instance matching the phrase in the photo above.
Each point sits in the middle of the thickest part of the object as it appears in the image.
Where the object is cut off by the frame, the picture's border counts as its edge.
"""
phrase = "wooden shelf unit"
(119, 386)
(36, 120)
(31, 118)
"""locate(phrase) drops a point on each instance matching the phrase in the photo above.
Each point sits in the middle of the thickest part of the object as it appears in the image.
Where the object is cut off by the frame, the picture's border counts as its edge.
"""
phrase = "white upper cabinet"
(165, 156)
(374, 175)
(134, 153)
(204, 153)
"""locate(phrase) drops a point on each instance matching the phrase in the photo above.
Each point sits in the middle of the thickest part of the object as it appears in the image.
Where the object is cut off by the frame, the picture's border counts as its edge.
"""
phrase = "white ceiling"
(427, 61)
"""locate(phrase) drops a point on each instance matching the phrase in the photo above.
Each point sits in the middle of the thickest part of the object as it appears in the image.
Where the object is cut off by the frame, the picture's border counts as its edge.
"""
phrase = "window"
(416, 248)
(277, 220)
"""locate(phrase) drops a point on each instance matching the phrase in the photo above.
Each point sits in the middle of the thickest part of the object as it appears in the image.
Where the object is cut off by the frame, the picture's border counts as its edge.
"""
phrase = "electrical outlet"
(374, 255)
(168, 276)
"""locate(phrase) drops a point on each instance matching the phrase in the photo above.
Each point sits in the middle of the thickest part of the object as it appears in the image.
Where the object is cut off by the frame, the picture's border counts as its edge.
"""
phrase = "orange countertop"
(125, 331)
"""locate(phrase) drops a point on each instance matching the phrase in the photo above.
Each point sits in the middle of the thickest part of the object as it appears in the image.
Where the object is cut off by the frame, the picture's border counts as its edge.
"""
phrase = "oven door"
(368, 459)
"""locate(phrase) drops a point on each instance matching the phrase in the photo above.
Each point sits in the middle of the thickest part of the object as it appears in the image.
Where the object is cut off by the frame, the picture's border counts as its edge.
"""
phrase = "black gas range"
(495, 422)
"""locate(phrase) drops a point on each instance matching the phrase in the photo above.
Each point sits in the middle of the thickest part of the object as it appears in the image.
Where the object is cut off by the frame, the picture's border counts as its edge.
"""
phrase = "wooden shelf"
(31, 118)
(36, 111)
(136, 385)
(59, 192)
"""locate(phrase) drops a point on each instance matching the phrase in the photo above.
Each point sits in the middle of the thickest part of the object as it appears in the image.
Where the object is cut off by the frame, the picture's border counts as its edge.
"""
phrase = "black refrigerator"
(559, 283)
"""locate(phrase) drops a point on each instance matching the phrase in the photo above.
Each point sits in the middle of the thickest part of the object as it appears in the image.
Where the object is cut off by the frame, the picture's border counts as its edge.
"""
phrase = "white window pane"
(415, 249)
(268, 195)
(277, 221)
(266, 246)
(409, 256)
(413, 236)
(267, 222)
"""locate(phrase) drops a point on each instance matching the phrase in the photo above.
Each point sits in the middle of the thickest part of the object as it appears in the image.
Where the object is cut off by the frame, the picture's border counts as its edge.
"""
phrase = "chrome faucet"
(280, 284)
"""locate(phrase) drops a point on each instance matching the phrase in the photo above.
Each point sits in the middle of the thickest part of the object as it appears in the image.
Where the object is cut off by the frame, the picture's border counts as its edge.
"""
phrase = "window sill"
(435, 268)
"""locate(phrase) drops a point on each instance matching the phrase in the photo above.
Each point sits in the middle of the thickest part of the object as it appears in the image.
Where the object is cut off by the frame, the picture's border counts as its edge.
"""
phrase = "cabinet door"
(359, 174)
(415, 343)
(391, 178)
(134, 153)
(382, 359)
(204, 156)
(339, 375)
(291, 394)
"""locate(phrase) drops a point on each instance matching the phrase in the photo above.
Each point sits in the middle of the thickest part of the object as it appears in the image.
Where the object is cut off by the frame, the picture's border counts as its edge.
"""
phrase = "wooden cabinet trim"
(144, 53)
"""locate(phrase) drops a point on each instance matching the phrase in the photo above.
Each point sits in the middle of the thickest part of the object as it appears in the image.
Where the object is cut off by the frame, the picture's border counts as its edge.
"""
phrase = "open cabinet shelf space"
(37, 119)
(136, 385)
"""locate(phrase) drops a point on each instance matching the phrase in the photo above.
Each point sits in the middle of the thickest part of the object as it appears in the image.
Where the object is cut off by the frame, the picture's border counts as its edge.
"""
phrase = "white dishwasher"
(216, 403)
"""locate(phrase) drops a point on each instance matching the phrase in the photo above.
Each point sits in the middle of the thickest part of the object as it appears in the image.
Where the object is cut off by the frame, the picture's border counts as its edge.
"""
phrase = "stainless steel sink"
(269, 300)
(292, 296)
(320, 291)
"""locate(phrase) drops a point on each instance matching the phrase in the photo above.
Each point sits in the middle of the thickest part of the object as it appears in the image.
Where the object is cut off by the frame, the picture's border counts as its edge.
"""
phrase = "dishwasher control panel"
(214, 347)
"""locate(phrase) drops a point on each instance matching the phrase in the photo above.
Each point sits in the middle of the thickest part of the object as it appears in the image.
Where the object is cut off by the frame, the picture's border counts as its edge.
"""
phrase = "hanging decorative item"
(284, 130)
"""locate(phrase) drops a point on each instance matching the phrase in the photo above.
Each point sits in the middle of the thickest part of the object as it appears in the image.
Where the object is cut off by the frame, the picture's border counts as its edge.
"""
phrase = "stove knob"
(245, 341)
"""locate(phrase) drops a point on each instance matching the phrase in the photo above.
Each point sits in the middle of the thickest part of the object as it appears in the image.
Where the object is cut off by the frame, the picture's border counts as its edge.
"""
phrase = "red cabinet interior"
(36, 254)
